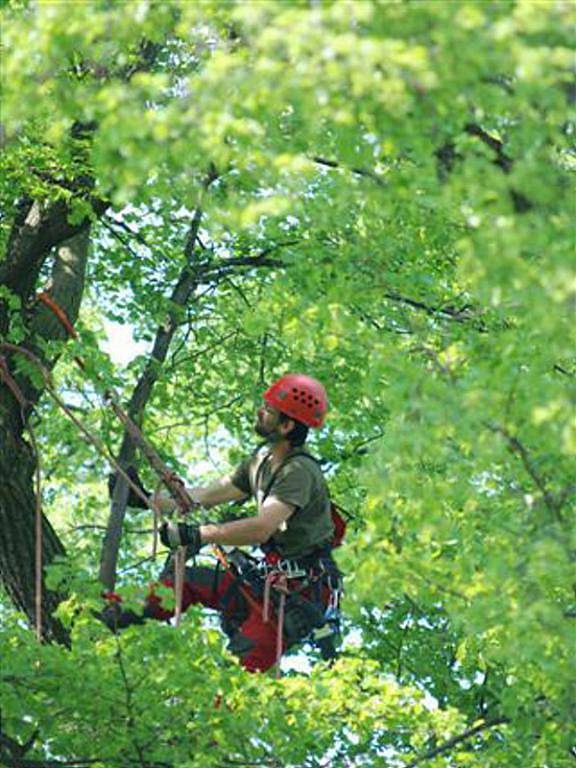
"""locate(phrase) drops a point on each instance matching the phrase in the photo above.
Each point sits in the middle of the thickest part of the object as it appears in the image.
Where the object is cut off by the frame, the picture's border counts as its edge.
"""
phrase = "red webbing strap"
(221, 557)
(54, 307)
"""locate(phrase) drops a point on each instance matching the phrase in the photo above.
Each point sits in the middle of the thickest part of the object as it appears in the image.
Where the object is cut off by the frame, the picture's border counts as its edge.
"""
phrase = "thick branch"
(43, 228)
(183, 290)
(66, 288)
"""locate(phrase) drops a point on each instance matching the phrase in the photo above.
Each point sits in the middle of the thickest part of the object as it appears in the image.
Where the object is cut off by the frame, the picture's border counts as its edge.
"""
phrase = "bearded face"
(268, 424)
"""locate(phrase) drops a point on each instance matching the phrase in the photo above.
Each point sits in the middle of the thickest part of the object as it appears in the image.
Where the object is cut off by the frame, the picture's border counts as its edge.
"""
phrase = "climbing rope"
(100, 447)
(167, 477)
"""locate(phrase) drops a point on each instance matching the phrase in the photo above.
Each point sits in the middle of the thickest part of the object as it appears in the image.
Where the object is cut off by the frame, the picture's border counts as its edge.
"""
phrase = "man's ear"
(287, 426)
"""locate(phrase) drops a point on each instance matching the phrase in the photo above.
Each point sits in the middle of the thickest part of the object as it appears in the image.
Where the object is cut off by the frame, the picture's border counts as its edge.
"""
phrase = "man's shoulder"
(302, 461)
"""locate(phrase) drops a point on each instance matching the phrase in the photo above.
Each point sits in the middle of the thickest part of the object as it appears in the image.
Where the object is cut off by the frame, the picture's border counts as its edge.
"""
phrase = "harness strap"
(223, 560)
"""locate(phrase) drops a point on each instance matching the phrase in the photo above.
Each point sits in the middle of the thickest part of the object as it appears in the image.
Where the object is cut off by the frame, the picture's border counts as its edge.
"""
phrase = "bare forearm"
(207, 497)
(249, 531)
(220, 492)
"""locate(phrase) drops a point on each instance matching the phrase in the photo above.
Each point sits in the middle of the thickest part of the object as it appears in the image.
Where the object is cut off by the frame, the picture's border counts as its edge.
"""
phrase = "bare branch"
(539, 480)
(455, 740)
(357, 171)
(183, 290)
(460, 315)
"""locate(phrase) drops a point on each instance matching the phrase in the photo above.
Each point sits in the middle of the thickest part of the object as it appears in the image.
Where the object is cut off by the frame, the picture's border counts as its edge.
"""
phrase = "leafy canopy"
(406, 171)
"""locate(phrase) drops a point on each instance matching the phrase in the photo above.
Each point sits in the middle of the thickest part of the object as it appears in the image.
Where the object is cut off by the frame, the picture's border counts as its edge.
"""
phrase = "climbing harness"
(305, 593)
(299, 598)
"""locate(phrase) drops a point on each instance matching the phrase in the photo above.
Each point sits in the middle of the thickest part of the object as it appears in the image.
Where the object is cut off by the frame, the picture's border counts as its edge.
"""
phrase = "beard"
(270, 434)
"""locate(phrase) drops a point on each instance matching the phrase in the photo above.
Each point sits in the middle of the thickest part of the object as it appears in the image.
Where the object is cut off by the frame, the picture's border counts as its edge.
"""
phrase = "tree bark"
(17, 524)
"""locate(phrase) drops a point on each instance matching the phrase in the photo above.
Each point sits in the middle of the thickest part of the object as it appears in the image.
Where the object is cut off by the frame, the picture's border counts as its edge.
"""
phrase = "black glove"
(133, 499)
(174, 535)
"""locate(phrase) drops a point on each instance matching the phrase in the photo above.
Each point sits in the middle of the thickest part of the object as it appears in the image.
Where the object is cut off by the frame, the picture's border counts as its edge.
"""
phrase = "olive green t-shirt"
(299, 481)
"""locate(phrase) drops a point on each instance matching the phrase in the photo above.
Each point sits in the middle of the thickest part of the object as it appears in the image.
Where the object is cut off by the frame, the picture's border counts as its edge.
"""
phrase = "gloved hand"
(175, 535)
(133, 499)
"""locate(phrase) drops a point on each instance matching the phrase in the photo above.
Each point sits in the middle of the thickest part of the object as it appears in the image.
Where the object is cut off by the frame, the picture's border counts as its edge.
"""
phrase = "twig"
(461, 315)
(502, 160)
(132, 567)
(112, 223)
(122, 240)
(520, 450)
(448, 745)
(357, 171)
(134, 531)
(560, 369)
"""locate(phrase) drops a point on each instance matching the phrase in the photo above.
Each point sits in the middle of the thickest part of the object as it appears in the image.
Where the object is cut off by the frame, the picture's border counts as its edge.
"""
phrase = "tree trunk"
(17, 522)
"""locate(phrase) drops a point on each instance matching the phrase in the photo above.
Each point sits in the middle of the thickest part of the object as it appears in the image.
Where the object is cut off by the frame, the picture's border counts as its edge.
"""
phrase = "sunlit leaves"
(389, 210)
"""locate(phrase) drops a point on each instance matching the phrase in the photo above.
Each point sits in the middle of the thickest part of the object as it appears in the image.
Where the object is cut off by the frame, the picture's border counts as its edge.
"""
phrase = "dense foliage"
(385, 192)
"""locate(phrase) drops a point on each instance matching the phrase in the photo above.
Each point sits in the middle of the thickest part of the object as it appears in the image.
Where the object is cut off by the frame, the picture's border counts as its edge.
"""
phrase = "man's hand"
(174, 535)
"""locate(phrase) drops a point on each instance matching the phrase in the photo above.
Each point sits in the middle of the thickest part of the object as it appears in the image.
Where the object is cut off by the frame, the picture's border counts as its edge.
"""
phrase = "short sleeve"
(293, 484)
(241, 477)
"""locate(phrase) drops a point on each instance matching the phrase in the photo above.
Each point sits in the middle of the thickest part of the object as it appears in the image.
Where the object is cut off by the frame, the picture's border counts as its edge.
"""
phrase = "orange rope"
(54, 307)
(221, 557)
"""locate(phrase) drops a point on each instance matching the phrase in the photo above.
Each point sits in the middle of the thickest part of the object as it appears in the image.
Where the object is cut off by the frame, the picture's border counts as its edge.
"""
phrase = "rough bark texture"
(17, 533)
(38, 229)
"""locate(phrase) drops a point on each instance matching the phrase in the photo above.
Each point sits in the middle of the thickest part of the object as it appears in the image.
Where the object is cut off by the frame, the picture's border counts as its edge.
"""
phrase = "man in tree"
(293, 526)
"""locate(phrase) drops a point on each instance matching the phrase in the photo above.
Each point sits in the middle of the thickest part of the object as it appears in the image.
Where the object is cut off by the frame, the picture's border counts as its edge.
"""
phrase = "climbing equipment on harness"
(299, 396)
(305, 623)
(305, 595)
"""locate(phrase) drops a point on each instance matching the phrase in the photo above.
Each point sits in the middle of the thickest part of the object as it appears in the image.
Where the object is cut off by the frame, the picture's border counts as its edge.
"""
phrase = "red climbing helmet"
(300, 397)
